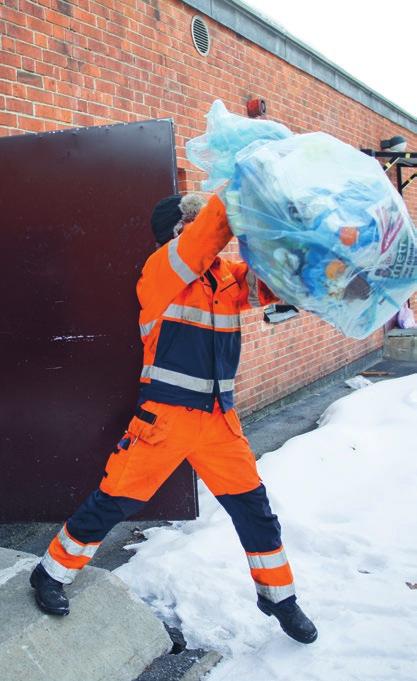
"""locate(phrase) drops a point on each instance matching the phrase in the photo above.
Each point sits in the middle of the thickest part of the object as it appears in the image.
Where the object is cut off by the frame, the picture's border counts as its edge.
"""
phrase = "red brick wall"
(92, 62)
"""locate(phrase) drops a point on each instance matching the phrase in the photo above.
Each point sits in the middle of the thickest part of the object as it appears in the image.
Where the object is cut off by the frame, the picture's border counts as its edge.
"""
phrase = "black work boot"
(291, 618)
(49, 593)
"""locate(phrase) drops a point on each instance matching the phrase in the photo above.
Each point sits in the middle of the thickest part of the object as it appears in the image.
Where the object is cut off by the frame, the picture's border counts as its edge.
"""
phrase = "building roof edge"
(262, 31)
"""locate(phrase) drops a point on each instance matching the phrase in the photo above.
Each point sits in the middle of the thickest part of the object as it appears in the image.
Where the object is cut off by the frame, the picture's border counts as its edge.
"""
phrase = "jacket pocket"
(150, 430)
(231, 291)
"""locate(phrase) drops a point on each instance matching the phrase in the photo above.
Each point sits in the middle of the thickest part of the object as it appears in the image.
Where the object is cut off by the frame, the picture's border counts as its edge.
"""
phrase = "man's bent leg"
(78, 540)
(143, 459)
(75, 545)
(227, 465)
(260, 534)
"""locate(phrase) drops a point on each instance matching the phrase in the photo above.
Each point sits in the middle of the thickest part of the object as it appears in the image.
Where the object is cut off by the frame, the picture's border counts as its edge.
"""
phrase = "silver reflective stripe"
(252, 282)
(227, 321)
(74, 548)
(200, 385)
(147, 328)
(194, 314)
(178, 264)
(226, 385)
(271, 560)
(275, 593)
(189, 314)
(58, 571)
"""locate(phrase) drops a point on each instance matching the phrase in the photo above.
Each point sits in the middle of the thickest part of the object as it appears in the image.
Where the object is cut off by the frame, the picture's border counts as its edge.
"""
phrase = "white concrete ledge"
(109, 635)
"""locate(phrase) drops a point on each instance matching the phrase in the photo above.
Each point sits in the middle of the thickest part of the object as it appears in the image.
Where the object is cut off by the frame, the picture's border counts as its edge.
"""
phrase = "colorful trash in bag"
(317, 220)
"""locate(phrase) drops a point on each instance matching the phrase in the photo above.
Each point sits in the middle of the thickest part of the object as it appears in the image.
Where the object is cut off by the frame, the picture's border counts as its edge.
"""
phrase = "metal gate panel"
(74, 212)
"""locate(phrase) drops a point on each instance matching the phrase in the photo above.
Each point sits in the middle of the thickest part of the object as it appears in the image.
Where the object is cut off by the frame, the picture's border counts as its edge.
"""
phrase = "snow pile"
(346, 498)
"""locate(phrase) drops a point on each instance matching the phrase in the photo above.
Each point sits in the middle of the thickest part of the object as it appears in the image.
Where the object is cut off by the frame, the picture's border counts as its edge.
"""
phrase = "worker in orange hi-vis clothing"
(190, 301)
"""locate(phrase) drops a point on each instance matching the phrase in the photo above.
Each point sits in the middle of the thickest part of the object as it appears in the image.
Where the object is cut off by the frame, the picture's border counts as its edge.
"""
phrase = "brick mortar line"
(59, 107)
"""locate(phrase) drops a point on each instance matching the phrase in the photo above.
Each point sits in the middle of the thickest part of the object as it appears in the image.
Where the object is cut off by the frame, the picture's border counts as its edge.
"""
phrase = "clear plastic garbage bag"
(316, 219)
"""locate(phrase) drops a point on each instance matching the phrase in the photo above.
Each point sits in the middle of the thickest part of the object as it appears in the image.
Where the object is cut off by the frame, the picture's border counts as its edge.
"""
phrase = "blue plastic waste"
(316, 219)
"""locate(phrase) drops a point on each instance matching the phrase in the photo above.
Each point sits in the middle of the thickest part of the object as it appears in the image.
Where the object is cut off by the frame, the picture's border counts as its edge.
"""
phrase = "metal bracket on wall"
(398, 159)
(277, 312)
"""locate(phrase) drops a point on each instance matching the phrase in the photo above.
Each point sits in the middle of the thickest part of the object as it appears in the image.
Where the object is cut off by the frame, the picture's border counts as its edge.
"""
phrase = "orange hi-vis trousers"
(157, 440)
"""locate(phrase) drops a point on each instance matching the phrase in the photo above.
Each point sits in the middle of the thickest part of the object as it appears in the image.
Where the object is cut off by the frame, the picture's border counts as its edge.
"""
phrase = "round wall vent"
(201, 36)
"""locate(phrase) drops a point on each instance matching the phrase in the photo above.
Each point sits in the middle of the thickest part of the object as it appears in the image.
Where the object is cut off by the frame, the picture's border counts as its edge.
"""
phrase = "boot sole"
(289, 633)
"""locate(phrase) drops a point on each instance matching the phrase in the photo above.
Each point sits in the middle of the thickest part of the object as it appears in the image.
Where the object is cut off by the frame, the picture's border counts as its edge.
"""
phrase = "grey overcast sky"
(373, 40)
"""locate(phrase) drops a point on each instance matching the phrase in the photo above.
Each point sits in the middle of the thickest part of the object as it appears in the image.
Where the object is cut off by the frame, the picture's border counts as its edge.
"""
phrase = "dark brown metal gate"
(74, 213)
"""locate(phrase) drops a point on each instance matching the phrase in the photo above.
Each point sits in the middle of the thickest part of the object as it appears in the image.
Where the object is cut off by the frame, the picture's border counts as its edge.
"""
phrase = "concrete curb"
(202, 666)
(190, 665)
(110, 635)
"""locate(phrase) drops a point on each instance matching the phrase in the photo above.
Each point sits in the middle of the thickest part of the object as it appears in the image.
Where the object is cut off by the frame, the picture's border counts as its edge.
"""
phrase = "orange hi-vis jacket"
(191, 300)
(190, 315)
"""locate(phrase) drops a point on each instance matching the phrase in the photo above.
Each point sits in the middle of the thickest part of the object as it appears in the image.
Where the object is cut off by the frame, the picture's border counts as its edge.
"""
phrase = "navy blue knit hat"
(172, 212)
(165, 216)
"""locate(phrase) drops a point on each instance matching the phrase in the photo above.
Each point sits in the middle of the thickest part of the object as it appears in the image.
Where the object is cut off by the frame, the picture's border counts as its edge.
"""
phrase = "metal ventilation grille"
(201, 36)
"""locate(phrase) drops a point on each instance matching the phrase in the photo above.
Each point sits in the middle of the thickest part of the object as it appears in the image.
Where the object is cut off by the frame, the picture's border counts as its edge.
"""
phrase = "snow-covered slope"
(346, 496)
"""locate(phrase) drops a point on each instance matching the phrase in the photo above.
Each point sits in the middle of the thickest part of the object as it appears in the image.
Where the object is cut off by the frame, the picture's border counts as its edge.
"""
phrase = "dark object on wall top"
(396, 143)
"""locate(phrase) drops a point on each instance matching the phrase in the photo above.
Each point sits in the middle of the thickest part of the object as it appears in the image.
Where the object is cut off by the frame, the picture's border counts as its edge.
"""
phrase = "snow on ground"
(345, 495)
